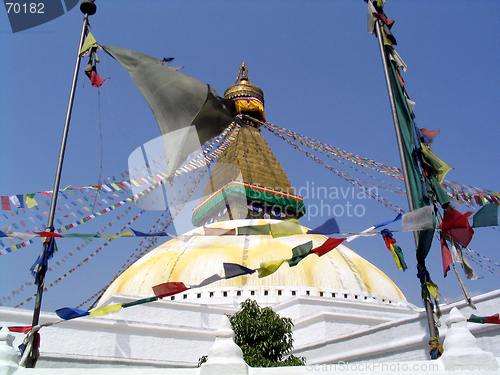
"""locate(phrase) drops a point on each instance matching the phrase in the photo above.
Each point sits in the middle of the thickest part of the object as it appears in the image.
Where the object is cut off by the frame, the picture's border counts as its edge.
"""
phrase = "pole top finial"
(88, 7)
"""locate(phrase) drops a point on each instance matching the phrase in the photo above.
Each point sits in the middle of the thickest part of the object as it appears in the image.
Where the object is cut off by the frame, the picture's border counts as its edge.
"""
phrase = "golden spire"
(249, 98)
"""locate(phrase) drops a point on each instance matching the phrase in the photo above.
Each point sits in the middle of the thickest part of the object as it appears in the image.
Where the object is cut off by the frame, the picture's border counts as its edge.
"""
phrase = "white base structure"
(462, 353)
(329, 331)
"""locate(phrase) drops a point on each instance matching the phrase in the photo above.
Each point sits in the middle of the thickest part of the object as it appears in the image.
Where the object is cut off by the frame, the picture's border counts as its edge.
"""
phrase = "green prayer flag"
(254, 230)
(299, 253)
(487, 216)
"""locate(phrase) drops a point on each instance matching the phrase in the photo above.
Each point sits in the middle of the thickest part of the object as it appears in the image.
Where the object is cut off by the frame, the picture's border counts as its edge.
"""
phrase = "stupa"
(248, 187)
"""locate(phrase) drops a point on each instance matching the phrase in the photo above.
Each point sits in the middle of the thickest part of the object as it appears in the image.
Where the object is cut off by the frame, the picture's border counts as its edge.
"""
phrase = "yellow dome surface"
(194, 257)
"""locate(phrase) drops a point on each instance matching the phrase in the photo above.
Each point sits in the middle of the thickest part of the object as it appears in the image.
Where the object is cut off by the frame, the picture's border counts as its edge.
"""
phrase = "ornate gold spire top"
(243, 88)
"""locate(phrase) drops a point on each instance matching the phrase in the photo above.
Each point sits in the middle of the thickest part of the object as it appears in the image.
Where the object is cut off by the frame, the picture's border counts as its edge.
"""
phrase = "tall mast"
(409, 194)
(88, 8)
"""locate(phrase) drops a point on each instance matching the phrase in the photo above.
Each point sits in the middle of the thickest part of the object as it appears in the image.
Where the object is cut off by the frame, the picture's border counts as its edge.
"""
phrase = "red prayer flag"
(494, 319)
(95, 79)
(429, 134)
(21, 329)
(457, 226)
(5, 202)
(328, 245)
(48, 234)
(445, 253)
(169, 289)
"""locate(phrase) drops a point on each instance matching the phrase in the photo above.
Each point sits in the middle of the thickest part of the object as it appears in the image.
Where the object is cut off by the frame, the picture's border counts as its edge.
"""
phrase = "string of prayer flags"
(328, 227)
(233, 270)
(396, 251)
(169, 289)
(329, 244)
(299, 253)
(287, 227)
(419, 219)
(269, 267)
(487, 216)
(68, 313)
(456, 225)
(493, 319)
(105, 310)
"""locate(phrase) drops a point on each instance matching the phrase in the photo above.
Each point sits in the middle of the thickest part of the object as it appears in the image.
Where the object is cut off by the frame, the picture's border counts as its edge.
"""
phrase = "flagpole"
(87, 7)
(427, 303)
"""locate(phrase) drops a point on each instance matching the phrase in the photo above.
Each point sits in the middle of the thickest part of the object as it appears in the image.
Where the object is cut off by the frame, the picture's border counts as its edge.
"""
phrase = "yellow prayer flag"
(286, 228)
(126, 234)
(396, 258)
(269, 267)
(105, 310)
(89, 43)
(433, 289)
(29, 200)
(439, 167)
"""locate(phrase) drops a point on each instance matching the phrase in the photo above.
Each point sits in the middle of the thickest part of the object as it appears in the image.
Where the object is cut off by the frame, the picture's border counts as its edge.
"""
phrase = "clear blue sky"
(322, 77)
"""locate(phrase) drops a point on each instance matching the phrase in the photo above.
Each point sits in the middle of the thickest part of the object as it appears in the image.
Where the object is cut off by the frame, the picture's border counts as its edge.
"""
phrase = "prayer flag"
(95, 79)
(105, 310)
(458, 257)
(299, 253)
(126, 234)
(178, 102)
(487, 216)
(446, 255)
(328, 227)
(140, 302)
(396, 251)
(434, 165)
(429, 135)
(284, 228)
(329, 244)
(30, 200)
(233, 270)
(456, 225)
(169, 289)
(20, 329)
(269, 267)
(261, 230)
(48, 234)
(419, 219)
(207, 281)
(68, 313)
(41, 264)
(142, 234)
(89, 43)
(493, 319)
(219, 231)
(398, 217)
(5, 202)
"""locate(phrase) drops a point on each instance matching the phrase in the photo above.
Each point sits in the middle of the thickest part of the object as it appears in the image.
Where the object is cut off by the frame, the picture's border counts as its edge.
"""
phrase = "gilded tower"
(248, 170)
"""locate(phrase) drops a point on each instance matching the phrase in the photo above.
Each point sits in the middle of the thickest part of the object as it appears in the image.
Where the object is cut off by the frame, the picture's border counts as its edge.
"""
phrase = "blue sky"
(322, 77)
